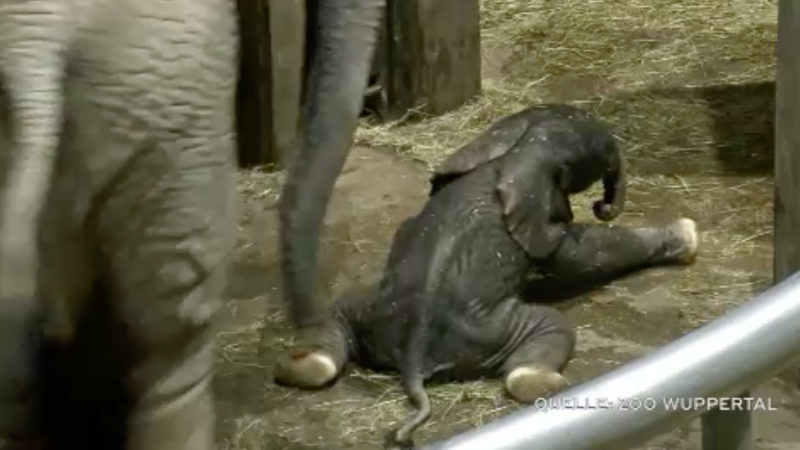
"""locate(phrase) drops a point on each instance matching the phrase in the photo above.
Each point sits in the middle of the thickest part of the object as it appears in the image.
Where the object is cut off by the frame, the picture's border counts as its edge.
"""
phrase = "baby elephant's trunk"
(614, 182)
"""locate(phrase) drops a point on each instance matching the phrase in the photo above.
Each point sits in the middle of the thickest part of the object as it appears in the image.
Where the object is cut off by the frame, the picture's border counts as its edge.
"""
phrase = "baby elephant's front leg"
(533, 370)
(595, 252)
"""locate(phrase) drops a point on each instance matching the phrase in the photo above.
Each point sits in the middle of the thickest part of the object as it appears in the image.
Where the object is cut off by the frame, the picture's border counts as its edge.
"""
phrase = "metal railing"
(722, 360)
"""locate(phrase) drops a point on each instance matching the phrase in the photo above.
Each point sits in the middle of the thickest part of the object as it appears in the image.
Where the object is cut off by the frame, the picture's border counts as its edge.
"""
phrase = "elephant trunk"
(341, 40)
(614, 185)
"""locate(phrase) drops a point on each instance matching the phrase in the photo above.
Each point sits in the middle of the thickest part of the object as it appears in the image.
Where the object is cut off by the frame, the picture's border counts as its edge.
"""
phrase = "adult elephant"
(117, 216)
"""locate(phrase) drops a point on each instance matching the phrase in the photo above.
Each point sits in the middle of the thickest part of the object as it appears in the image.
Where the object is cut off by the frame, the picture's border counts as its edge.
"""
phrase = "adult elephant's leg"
(167, 253)
(65, 282)
(85, 399)
(597, 252)
(18, 329)
(19, 350)
(341, 43)
(336, 345)
(68, 292)
(320, 366)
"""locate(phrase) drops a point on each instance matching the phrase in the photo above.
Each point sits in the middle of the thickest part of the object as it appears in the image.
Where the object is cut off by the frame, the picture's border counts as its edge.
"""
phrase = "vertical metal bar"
(730, 429)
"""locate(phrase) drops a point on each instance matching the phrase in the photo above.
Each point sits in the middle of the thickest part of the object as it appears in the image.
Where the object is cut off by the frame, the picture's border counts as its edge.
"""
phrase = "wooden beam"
(270, 78)
(253, 93)
(433, 55)
(787, 142)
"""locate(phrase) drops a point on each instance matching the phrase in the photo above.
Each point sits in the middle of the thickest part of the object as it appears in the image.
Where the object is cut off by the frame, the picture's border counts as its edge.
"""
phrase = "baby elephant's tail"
(413, 385)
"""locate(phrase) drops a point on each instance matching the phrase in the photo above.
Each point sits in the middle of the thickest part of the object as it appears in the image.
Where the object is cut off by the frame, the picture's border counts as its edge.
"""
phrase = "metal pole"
(638, 401)
(728, 430)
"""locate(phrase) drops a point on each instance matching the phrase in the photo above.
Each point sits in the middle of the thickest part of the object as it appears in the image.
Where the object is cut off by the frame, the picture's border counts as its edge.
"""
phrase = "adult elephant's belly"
(147, 87)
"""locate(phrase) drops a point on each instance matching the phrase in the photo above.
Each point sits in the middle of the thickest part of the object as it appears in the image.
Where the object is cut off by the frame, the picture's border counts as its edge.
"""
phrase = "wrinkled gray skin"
(117, 214)
(340, 65)
(449, 302)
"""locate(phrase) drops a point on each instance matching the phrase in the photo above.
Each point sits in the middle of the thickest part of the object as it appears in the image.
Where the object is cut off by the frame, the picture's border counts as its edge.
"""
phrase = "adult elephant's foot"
(306, 368)
(182, 423)
(528, 383)
(317, 357)
(685, 233)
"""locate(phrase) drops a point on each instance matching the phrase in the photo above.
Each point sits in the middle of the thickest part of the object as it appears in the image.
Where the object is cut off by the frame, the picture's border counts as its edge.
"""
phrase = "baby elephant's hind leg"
(532, 371)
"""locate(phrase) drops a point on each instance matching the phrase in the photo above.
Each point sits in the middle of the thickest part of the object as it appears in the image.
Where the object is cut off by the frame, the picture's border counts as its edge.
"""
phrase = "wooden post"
(270, 78)
(253, 94)
(432, 55)
(787, 140)
(786, 233)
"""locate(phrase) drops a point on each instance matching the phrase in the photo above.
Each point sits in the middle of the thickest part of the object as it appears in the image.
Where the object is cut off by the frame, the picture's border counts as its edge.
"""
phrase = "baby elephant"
(449, 300)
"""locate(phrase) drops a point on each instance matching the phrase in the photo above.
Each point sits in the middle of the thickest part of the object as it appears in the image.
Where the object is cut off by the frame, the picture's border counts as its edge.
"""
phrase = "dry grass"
(607, 55)
(686, 86)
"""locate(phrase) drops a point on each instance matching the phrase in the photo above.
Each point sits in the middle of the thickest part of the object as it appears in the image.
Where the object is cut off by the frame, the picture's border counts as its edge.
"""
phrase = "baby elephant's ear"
(533, 207)
(493, 143)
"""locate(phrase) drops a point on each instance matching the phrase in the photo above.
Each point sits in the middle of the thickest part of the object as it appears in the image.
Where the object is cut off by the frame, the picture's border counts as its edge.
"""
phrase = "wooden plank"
(254, 90)
(270, 78)
(451, 72)
(787, 140)
(433, 54)
(400, 59)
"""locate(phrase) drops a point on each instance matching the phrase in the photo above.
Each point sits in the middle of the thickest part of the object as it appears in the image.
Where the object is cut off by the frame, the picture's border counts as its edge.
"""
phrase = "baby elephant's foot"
(526, 384)
(685, 232)
(306, 369)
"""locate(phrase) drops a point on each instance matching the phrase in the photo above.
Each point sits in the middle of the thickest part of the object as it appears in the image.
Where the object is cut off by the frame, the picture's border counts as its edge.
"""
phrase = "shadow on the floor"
(743, 115)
